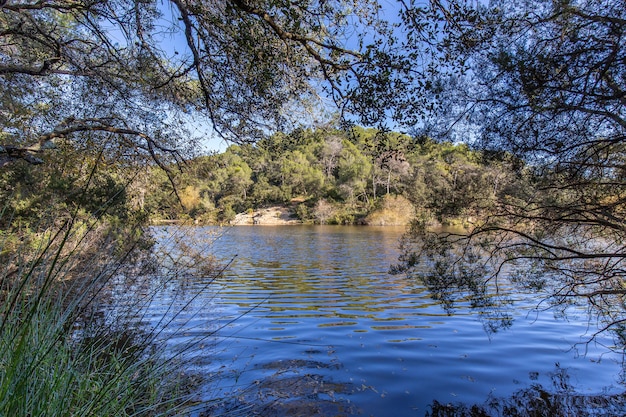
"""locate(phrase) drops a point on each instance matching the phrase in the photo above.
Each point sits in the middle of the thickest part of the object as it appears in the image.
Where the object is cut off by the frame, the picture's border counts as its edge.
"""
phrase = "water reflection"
(312, 324)
(295, 389)
(558, 400)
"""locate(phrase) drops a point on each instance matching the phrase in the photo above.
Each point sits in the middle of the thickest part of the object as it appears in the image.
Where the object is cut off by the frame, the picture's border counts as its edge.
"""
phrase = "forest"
(324, 176)
(332, 176)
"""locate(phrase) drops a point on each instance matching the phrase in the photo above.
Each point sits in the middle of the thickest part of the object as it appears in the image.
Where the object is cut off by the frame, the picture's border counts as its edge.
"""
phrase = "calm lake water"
(309, 322)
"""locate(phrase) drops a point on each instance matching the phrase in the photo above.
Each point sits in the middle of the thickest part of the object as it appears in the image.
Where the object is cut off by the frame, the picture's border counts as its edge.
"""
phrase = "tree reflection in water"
(560, 400)
(290, 393)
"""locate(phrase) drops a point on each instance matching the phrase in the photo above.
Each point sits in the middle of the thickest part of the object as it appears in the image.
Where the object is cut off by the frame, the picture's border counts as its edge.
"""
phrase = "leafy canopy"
(133, 76)
(544, 82)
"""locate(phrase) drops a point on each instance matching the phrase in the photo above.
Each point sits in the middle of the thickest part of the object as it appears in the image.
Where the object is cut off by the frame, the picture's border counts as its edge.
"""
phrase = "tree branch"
(46, 141)
(303, 40)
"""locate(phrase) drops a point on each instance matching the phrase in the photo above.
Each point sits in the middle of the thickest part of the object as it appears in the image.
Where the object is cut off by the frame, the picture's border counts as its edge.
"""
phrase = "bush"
(59, 355)
(393, 210)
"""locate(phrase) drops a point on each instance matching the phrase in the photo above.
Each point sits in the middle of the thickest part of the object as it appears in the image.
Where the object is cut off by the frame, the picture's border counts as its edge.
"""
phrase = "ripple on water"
(319, 327)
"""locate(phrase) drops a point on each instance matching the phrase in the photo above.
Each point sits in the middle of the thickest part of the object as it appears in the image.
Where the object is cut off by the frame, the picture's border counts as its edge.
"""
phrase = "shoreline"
(271, 216)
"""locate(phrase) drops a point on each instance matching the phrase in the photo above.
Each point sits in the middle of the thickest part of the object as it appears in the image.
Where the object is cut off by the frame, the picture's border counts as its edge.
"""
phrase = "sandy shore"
(266, 216)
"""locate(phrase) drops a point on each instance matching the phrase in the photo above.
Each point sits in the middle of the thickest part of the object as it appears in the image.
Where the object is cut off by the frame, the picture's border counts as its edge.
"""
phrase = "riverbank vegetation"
(70, 244)
(332, 176)
(58, 355)
(517, 122)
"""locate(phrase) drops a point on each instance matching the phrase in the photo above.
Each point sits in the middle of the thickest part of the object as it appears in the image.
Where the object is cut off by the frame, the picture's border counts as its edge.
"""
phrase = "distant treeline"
(335, 177)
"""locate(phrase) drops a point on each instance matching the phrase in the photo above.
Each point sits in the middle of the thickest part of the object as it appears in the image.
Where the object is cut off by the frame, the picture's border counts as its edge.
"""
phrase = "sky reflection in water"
(320, 328)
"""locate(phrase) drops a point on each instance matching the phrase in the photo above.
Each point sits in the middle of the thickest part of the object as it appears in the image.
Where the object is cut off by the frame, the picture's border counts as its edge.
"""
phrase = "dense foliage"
(334, 176)
(137, 78)
(101, 100)
(546, 82)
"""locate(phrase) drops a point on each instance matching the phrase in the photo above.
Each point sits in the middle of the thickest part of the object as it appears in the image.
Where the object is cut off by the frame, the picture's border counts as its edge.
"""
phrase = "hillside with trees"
(330, 176)
(517, 114)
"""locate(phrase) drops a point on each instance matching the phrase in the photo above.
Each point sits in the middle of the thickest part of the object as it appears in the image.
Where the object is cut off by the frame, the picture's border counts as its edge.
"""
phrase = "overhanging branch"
(48, 141)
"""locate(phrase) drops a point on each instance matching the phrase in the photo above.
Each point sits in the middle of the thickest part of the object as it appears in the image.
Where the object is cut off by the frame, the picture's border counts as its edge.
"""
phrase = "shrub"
(59, 355)
(393, 210)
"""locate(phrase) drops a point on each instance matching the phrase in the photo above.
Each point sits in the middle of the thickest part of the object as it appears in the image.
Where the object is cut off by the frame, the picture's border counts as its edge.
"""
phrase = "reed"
(59, 353)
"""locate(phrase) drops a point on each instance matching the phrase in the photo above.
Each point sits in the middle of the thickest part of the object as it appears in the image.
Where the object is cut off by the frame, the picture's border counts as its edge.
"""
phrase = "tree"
(395, 166)
(543, 82)
(353, 170)
(300, 177)
(323, 211)
(329, 154)
(135, 73)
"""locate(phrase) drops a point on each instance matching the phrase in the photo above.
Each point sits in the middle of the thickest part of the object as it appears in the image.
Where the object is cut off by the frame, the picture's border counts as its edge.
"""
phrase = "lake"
(307, 321)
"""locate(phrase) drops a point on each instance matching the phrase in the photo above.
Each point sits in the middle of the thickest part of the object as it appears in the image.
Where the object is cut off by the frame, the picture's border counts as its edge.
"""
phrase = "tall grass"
(59, 354)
